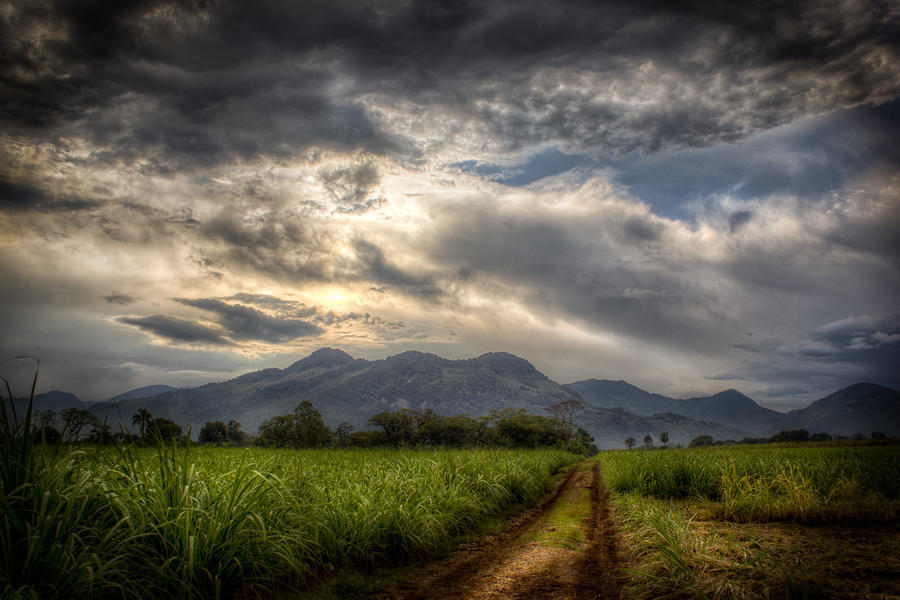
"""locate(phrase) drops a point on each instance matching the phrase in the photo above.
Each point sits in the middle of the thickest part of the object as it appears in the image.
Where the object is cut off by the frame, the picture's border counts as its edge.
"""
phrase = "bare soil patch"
(520, 563)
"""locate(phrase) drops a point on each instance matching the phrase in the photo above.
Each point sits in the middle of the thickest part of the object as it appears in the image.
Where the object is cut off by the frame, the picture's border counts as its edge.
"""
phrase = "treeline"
(792, 435)
(509, 427)
(304, 428)
(76, 425)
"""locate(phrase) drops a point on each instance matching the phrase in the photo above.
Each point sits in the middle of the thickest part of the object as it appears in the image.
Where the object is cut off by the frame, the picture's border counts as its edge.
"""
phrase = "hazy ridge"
(347, 389)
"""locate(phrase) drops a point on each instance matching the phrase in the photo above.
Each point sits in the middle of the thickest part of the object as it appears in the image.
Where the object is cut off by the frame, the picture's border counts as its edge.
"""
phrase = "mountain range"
(343, 388)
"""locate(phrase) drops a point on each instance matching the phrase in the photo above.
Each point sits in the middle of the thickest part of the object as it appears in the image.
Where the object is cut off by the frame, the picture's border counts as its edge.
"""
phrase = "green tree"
(74, 421)
(581, 443)
(342, 434)
(664, 437)
(235, 434)
(563, 413)
(530, 431)
(142, 419)
(399, 426)
(701, 440)
(164, 430)
(630, 442)
(458, 430)
(793, 435)
(311, 431)
(213, 432)
(648, 441)
(277, 431)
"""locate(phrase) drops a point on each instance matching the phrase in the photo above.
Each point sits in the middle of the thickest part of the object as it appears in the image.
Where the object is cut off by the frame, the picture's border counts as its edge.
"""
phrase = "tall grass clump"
(810, 485)
(667, 561)
(670, 555)
(56, 539)
(197, 535)
(661, 474)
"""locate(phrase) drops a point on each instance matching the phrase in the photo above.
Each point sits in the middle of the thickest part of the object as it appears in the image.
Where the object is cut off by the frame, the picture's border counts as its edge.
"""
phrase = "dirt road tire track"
(508, 565)
(599, 575)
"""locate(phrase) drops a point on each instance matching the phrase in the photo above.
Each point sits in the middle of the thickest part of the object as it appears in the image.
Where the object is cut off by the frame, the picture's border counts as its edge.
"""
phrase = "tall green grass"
(179, 522)
(804, 484)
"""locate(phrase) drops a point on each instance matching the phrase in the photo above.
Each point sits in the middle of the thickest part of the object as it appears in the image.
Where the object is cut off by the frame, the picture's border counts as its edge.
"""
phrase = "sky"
(688, 196)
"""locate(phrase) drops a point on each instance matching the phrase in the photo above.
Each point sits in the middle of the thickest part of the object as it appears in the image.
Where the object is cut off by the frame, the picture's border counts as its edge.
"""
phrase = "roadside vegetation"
(510, 428)
(208, 522)
(778, 521)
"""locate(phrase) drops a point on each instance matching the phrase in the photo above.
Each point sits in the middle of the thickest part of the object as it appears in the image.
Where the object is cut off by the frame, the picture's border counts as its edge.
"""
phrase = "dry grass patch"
(674, 550)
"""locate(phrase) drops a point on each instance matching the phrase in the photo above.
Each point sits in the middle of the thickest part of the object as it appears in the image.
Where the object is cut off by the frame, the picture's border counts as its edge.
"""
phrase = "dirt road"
(562, 549)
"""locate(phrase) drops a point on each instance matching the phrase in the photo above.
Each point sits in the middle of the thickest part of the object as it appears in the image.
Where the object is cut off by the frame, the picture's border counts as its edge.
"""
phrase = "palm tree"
(630, 442)
(143, 419)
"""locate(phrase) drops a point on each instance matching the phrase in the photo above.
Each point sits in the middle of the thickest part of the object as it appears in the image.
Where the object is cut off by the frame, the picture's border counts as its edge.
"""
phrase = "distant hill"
(730, 408)
(142, 392)
(54, 400)
(353, 390)
(733, 409)
(346, 389)
(610, 427)
(604, 393)
(860, 408)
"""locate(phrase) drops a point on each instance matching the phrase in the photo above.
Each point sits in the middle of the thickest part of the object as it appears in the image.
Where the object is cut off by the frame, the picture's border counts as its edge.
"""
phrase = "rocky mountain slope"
(731, 408)
(346, 389)
(860, 408)
(343, 388)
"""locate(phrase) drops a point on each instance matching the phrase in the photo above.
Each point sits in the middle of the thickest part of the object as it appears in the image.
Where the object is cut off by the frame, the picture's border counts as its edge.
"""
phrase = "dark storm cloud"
(279, 244)
(738, 219)
(121, 298)
(614, 271)
(195, 84)
(875, 342)
(177, 329)
(273, 303)
(240, 322)
(808, 159)
(834, 356)
(351, 187)
(376, 268)
(22, 197)
(247, 323)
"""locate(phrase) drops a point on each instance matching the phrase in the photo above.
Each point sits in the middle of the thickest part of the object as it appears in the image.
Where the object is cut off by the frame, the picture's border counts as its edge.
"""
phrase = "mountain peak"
(504, 362)
(411, 355)
(864, 388)
(857, 393)
(147, 391)
(323, 357)
(859, 408)
(732, 395)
